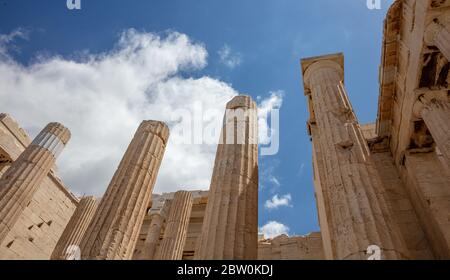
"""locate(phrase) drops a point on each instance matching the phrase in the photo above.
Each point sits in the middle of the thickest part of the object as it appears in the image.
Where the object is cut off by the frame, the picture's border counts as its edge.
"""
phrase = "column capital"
(241, 101)
(312, 64)
(434, 28)
(425, 97)
(155, 127)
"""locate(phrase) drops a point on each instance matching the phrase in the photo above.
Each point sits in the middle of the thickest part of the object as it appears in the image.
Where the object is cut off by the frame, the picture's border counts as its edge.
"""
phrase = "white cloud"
(301, 169)
(276, 202)
(7, 39)
(273, 229)
(274, 101)
(268, 178)
(103, 97)
(274, 180)
(229, 58)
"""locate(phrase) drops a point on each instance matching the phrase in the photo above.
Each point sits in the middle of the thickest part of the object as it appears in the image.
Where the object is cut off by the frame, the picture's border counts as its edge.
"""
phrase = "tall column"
(114, 230)
(438, 34)
(322, 197)
(19, 183)
(436, 115)
(359, 215)
(175, 234)
(75, 229)
(230, 227)
(157, 216)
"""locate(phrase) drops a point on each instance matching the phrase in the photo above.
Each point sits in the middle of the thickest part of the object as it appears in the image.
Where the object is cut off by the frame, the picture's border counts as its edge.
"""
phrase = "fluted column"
(436, 115)
(152, 238)
(157, 216)
(438, 34)
(230, 227)
(114, 230)
(19, 183)
(175, 233)
(75, 229)
(359, 215)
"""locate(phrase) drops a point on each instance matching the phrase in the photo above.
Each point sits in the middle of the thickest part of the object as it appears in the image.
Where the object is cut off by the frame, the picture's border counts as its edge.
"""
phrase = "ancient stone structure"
(157, 214)
(231, 219)
(21, 181)
(403, 196)
(436, 116)
(438, 34)
(349, 181)
(69, 242)
(43, 219)
(115, 227)
(283, 247)
(156, 222)
(172, 244)
(384, 184)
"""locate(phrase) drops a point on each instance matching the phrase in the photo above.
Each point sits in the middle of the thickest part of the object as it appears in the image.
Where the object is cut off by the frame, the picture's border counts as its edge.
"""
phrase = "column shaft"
(230, 226)
(20, 182)
(359, 215)
(152, 238)
(175, 234)
(436, 115)
(115, 227)
(322, 196)
(75, 229)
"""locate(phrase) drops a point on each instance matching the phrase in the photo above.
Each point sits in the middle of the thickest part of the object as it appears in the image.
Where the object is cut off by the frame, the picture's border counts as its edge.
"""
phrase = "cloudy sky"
(103, 69)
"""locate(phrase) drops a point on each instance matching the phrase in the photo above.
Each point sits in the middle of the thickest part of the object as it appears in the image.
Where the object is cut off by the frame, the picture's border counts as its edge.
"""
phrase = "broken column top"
(59, 131)
(156, 127)
(335, 60)
(241, 101)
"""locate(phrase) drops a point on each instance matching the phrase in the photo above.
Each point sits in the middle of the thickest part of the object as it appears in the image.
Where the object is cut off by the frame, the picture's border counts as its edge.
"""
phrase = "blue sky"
(252, 45)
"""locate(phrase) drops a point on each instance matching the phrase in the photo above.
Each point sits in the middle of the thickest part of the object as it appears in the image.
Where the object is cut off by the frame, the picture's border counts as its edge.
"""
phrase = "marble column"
(436, 115)
(20, 182)
(438, 34)
(230, 227)
(157, 217)
(115, 227)
(175, 233)
(75, 229)
(359, 216)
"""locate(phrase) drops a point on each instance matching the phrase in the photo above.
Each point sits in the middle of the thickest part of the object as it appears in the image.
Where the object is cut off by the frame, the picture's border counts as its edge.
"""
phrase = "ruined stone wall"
(282, 247)
(36, 233)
